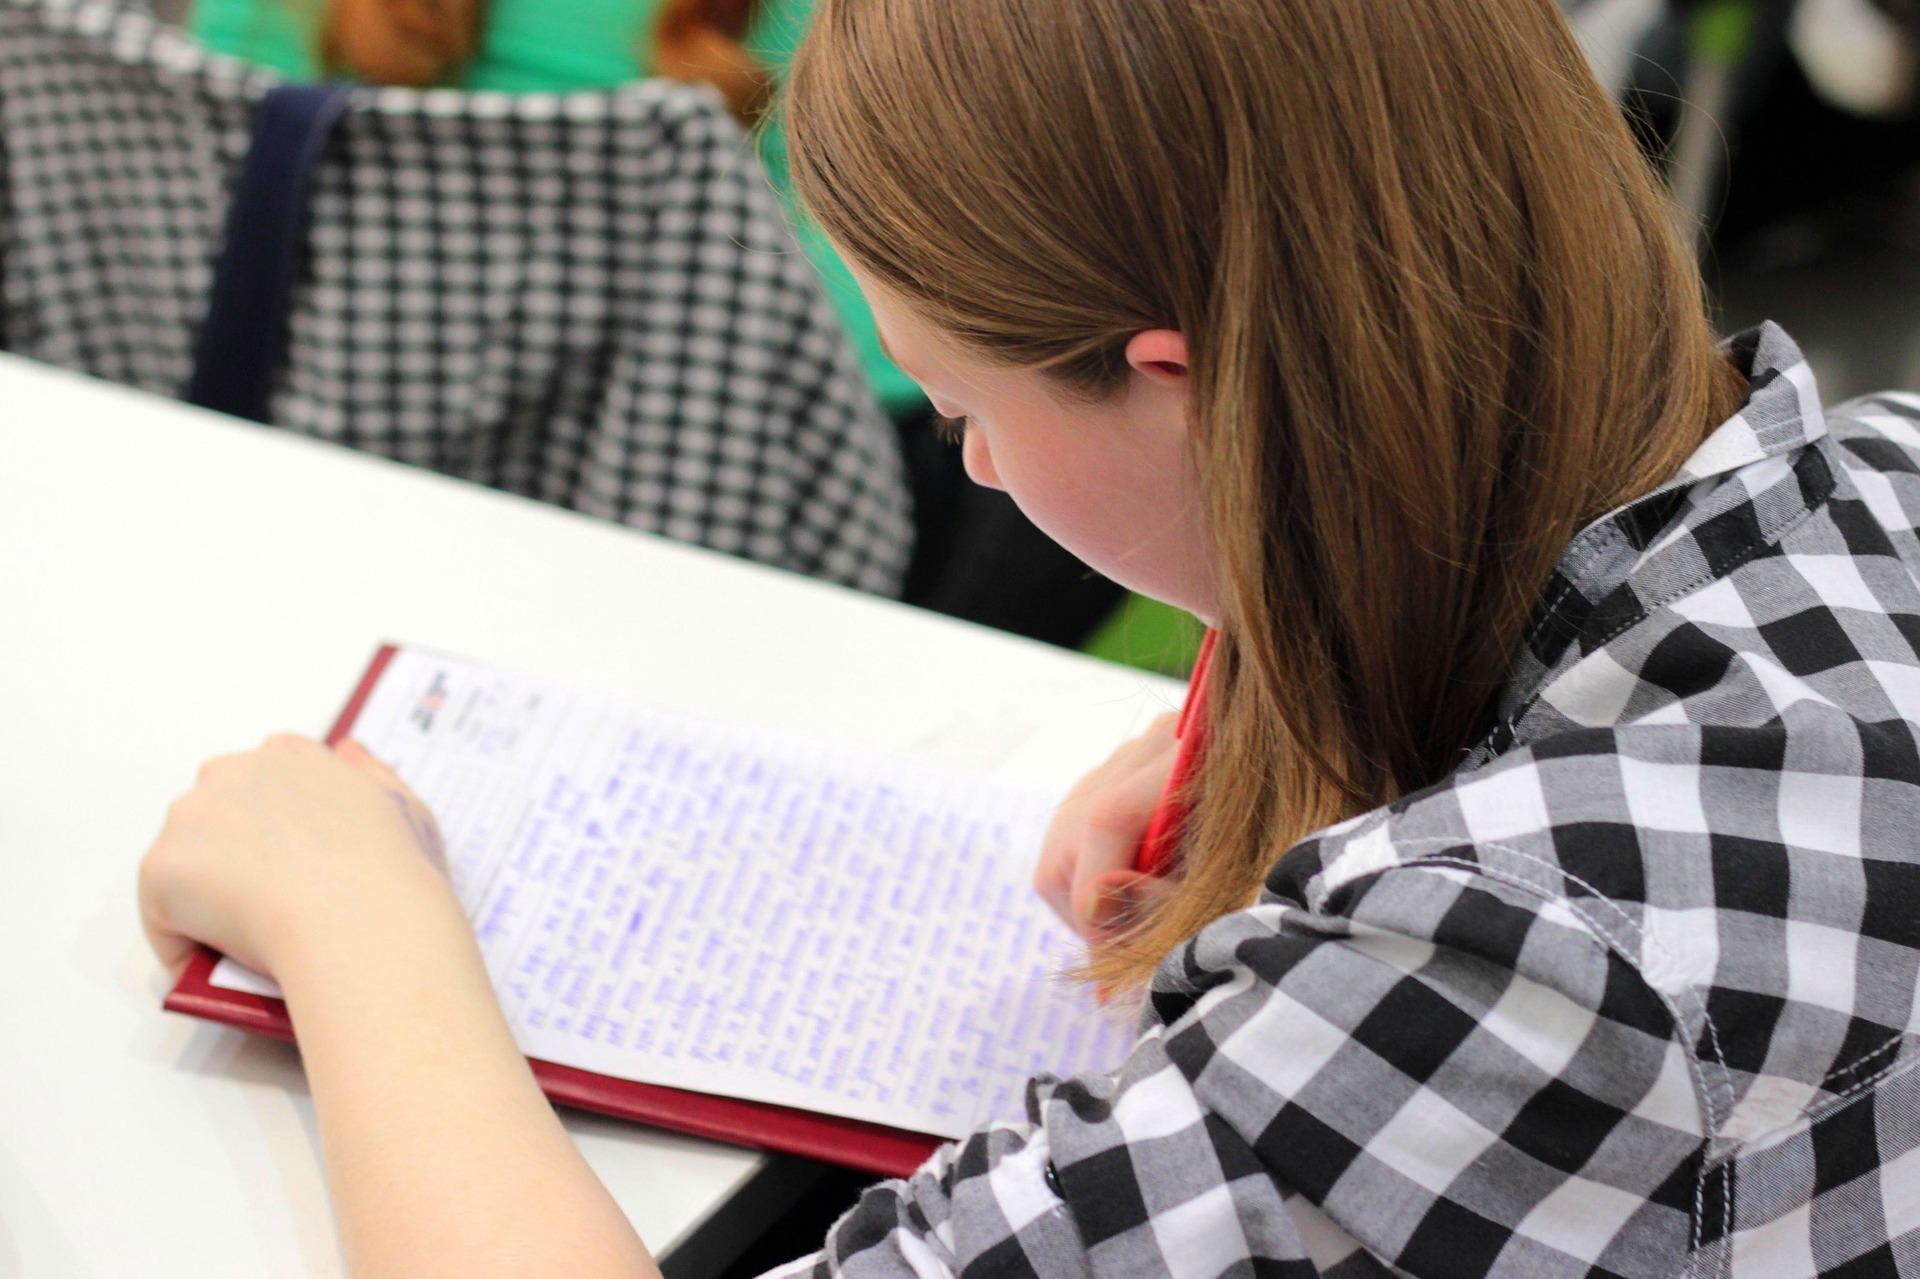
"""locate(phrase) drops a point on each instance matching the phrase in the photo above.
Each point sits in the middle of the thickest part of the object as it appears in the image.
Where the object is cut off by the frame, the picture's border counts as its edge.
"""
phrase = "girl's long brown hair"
(1439, 319)
(428, 42)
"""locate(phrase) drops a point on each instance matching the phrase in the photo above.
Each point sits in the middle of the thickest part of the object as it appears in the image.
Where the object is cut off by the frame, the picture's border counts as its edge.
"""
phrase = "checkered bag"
(590, 299)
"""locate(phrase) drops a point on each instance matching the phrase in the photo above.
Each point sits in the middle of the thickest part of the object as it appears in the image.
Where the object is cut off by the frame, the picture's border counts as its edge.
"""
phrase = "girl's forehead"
(910, 342)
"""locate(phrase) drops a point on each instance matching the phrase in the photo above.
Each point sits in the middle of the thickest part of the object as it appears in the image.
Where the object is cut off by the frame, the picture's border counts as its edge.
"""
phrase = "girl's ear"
(1160, 355)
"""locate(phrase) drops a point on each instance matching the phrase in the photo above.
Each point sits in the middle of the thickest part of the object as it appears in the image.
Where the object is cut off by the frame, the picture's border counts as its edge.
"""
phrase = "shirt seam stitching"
(1648, 608)
(1704, 1097)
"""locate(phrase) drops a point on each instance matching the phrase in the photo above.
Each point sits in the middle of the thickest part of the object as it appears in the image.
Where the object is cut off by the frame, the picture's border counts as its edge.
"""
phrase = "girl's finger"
(1118, 896)
(169, 947)
(354, 752)
(1131, 779)
(1110, 841)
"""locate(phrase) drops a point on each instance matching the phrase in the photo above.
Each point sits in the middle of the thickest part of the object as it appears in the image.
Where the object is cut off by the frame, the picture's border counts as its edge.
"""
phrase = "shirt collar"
(1753, 476)
(1781, 411)
(1779, 415)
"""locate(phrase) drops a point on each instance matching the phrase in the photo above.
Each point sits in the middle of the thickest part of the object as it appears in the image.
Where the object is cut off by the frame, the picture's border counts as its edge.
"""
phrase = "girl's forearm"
(442, 1154)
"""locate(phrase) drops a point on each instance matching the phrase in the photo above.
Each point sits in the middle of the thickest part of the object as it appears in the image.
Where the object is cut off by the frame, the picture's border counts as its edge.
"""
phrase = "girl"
(1546, 898)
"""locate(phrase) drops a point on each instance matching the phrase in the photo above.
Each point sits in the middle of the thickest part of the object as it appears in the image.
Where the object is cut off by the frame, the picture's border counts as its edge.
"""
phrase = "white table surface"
(175, 585)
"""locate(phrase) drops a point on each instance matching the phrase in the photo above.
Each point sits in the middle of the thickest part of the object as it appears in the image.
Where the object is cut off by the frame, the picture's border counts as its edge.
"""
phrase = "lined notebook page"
(676, 901)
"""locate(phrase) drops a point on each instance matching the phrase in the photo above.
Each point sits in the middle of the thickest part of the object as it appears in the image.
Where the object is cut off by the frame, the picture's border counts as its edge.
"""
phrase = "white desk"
(173, 585)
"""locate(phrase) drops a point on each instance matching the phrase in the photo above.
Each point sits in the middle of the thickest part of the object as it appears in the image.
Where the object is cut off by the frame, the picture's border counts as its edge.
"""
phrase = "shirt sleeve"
(1442, 1071)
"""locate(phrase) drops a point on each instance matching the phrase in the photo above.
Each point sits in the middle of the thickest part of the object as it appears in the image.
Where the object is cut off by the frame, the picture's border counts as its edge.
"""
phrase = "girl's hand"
(283, 846)
(1086, 862)
(443, 1158)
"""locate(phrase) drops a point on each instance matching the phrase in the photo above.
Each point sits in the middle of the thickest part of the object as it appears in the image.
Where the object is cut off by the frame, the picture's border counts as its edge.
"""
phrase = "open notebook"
(756, 937)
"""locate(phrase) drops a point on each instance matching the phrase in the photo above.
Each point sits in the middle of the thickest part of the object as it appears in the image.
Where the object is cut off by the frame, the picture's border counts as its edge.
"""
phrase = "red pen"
(1169, 819)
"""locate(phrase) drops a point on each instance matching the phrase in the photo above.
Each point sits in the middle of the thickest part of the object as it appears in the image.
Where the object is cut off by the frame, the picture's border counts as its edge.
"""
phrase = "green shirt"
(602, 44)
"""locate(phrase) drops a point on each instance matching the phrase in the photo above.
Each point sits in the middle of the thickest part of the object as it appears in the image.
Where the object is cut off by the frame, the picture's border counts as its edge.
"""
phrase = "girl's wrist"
(415, 922)
(441, 1152)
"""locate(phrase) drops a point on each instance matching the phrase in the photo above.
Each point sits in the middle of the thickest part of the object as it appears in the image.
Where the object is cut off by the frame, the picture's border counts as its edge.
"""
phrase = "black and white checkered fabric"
(1632, 993)
(591, 299)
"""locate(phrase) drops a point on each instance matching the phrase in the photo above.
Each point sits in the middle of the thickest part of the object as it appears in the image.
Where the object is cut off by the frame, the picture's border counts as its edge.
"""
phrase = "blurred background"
(1789, 131)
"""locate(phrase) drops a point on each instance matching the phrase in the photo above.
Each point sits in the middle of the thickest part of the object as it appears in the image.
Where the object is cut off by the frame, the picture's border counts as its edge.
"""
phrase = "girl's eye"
(951, 430)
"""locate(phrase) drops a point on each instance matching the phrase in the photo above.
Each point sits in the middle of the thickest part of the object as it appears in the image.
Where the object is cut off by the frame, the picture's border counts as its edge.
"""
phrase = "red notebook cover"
(870, 1147)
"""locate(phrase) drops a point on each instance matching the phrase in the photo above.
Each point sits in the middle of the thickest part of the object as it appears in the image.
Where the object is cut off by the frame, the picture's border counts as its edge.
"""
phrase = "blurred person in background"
(976, 557)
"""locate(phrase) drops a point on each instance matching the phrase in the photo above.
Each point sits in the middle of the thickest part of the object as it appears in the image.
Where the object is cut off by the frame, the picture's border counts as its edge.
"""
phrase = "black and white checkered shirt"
(589, 298)
(1632, 993)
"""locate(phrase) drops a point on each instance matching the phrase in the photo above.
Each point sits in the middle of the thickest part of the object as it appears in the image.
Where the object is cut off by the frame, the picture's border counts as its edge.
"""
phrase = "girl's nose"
(978, 459)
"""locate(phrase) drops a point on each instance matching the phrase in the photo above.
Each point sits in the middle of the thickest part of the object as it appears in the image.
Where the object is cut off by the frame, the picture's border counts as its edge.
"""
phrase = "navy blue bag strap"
(244, 335)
